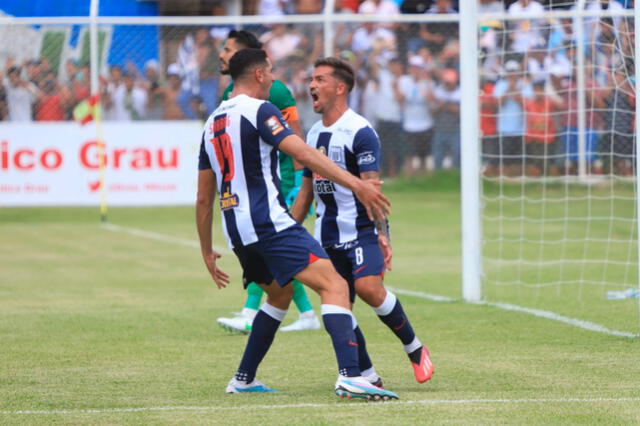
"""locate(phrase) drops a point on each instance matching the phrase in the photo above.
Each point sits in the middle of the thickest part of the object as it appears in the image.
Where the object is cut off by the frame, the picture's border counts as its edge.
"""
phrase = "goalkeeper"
(290, 180)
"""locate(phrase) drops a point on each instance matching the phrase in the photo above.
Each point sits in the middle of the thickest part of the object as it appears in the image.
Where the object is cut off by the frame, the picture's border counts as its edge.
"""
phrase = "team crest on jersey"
(336, 154)
(229, 201)
(365, 158)
(274, 125)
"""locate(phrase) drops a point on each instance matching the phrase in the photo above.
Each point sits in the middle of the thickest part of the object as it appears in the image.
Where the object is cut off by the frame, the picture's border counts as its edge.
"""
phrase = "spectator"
(170, 92)
(541, 134)
(4, 114)
(151, 84)
(414, 6)
(124, 101)
(509, 92)
(272, 7)
(35, 69)
(52, 100)
(490, 6)
(415, 90)
(280, 42)
(488, 128)
(567, 88)
(308, 6)
(388, 113)
(525, 33)
(190, 74)
(347, 6)
(438, 34)
(619, 130)
(20, 94)
(208, 64)
(369, 37)
(446, 109)
(591, 24)
(379, 7)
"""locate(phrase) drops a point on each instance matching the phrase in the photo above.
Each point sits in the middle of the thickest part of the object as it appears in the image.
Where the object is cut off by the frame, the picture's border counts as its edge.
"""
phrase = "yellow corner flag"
(87, 110)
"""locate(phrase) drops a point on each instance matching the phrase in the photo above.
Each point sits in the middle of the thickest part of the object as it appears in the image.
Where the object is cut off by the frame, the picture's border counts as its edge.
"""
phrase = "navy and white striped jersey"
(239, 144)
(352, 144)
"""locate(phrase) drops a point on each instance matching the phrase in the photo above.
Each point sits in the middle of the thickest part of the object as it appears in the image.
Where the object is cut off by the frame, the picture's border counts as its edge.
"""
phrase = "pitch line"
(309, 405)
(535, 312)
(150, 235)
(586, 325)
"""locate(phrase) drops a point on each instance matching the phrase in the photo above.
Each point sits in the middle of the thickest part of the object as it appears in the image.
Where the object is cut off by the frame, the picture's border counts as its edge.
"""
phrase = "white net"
(559, 195)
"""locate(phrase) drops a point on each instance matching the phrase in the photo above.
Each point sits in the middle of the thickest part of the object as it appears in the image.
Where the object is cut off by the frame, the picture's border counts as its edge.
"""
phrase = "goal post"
(470, 154)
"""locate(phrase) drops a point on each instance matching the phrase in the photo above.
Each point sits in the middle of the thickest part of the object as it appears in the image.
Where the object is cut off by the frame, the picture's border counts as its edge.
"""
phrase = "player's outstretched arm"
(300, 207)
(368, 192)
(204, 219)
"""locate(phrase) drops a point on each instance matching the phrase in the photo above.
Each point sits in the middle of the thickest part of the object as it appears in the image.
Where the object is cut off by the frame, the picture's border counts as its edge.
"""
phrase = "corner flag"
(87, 110)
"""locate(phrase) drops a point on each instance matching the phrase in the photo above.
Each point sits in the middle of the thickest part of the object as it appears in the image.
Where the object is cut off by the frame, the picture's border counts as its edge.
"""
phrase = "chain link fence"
(407, 84)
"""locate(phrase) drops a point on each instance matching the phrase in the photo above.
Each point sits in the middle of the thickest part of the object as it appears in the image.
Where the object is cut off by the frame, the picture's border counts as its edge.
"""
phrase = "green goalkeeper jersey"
(281, 97)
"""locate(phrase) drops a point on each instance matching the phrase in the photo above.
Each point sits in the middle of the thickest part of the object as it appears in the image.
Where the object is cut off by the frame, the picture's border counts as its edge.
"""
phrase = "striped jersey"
(352, 144)
(239, 144)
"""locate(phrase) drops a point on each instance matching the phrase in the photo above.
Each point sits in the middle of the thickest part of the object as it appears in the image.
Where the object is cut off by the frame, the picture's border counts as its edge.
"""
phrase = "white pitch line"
(150, 235)
(535, 312)
(586, 325)
(309, 405)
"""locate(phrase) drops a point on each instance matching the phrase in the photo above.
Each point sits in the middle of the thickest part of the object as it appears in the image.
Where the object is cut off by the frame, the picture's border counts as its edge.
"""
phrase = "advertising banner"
(57, 164)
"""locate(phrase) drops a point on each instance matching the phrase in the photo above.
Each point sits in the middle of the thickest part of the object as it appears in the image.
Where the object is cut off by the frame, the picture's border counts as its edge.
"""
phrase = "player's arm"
(204, 219)
(368, 192)
(366, 148)
(271, 127)
(381, 224)
(303, 200)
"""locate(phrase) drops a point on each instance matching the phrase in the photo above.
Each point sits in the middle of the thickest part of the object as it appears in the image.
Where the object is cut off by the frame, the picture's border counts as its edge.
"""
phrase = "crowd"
(407, 83)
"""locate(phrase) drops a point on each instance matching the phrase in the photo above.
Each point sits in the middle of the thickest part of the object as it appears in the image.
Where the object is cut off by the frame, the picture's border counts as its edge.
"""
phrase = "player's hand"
(219, 276)
(371, 196)
(387, 253)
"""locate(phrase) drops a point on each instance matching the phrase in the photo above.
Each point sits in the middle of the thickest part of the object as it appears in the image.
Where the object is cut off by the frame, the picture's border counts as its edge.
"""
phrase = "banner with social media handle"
(58, 164)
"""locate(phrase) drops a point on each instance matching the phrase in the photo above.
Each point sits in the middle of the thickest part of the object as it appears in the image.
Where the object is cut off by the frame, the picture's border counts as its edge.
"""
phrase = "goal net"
(559, 205)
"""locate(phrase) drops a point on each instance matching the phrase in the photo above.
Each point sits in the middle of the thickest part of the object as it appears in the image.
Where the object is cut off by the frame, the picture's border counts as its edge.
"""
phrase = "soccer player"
(239, 159)
(290, 180)
(358, 246)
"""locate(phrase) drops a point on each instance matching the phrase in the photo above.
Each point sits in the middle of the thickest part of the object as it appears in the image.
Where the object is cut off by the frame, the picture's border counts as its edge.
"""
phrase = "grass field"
(111, 326)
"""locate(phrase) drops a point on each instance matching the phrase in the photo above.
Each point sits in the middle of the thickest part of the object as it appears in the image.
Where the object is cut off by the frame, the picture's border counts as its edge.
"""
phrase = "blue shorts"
(278, 257)
(357, 259)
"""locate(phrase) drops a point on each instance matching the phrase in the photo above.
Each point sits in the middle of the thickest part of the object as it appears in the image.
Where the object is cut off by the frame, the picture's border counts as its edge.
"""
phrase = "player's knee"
(280, 297)
(371, 291)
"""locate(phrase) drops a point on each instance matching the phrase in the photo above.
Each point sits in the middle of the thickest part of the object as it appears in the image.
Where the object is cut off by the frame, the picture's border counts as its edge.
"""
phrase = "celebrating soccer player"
(290, 180)
(239, 159)
(358, 246)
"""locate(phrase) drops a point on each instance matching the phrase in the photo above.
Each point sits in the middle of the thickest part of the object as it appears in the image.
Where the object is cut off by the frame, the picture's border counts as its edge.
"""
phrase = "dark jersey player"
(358, 246)
(290, 180)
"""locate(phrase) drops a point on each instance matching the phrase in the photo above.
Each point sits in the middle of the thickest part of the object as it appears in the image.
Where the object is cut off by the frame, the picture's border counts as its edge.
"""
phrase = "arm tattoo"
(381, 223)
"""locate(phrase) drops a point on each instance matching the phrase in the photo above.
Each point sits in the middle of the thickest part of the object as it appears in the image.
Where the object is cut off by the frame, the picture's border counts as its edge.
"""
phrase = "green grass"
(92, 319)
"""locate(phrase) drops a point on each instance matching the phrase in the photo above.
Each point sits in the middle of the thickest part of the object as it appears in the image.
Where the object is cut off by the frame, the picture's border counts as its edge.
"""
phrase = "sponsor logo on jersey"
(365, 158)
(229, 201)
(274, 125)
(323, 186)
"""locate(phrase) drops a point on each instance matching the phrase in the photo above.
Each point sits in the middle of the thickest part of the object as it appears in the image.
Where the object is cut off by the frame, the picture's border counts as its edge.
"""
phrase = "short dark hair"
(245, 39)
(245, 60)
(341, 70)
